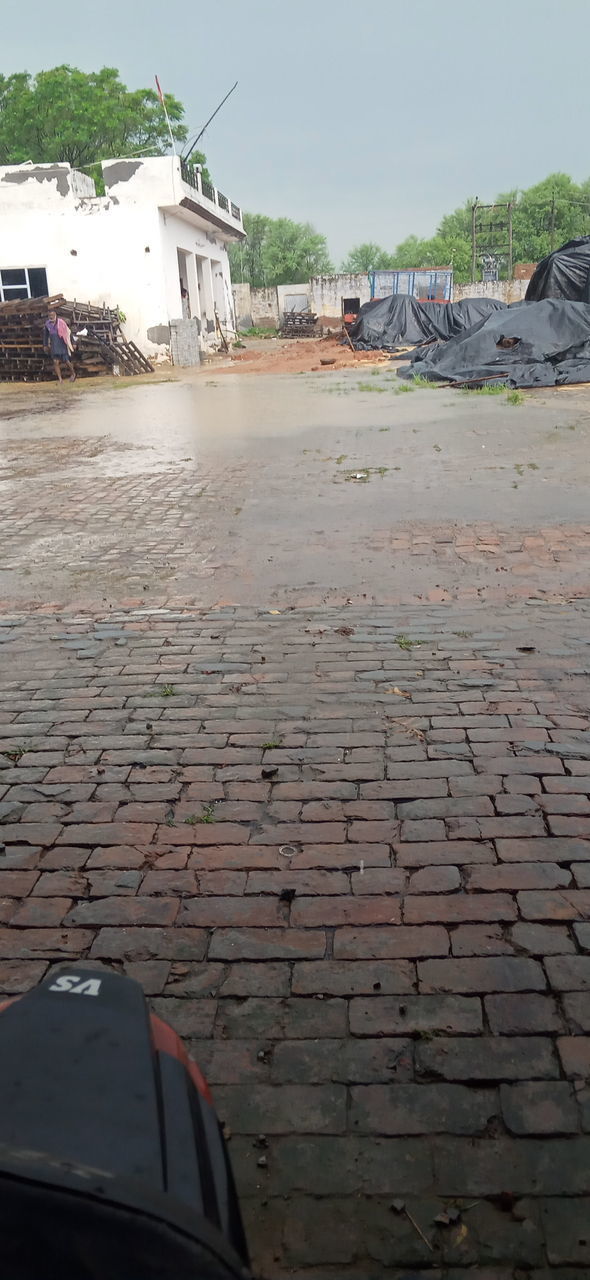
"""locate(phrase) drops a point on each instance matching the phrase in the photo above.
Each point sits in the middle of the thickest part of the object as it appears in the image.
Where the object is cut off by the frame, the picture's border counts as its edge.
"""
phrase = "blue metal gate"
(428, 284)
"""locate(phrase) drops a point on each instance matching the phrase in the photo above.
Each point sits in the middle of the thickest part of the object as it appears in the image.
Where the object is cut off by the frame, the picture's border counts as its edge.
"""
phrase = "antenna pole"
(206, 126)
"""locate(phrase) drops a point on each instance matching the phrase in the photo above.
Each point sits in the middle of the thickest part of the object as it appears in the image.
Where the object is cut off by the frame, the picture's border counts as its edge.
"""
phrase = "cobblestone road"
(347, 852)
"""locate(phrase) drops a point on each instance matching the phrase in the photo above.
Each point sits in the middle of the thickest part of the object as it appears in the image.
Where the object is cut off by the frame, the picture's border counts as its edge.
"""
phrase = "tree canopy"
(367, 257)
(69, 115)
(558, 200)
(278, 251)
(543, 217)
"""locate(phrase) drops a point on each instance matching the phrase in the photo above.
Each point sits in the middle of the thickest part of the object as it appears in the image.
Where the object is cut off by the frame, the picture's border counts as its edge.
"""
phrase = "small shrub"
(256, 332)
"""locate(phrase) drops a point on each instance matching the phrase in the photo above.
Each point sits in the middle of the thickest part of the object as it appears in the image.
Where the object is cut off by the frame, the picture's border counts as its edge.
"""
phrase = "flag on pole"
(163, 101)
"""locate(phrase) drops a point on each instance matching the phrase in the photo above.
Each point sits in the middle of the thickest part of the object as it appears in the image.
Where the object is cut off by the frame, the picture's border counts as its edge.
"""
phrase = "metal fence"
(189, 175)
(427, 285)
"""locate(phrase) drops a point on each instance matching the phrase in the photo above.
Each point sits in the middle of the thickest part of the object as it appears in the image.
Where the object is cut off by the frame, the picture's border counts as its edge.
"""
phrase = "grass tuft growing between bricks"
(404, 642)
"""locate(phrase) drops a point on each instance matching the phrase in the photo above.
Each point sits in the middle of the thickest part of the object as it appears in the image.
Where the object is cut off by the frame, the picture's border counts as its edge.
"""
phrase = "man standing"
(57, 342)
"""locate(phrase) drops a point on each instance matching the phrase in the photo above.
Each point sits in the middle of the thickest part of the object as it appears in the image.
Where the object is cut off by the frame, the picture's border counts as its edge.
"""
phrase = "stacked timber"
(299, 324)
(100, 348)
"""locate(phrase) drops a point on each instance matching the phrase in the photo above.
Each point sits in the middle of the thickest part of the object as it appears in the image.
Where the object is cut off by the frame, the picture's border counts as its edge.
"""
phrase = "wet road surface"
(338, 829)
(246, 489)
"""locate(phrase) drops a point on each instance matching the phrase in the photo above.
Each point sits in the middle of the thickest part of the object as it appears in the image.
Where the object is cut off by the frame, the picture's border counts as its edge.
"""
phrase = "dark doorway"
(350, 309)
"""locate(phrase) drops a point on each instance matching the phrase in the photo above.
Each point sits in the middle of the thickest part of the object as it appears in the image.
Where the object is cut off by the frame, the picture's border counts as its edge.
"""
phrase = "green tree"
(410, 252)
(440, 251)
(293, 252)
(458, 223)
(246, 259)
(547, 215)
(449, 251)
(543, 217)
(279, 251)
(367, 257)
(69, 115)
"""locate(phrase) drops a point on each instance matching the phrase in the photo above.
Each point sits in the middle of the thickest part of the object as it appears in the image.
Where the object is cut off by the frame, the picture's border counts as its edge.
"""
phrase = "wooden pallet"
(299, 324)
(22, 355)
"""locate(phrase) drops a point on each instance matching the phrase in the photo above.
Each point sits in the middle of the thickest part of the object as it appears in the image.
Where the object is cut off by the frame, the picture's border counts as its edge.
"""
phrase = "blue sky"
(369, 120)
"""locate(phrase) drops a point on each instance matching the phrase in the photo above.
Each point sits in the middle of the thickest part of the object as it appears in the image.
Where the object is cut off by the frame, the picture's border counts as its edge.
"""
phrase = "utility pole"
(510, 241)
(552, 223)
(473, 241)
(165, 110)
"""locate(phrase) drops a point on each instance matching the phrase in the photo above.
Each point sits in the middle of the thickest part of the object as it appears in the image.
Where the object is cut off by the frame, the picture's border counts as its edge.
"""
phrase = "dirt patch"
(300, 355)
(261, 355)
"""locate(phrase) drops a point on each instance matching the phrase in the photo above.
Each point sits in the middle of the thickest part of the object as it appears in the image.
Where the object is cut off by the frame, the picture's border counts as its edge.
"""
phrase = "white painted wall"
(175, 234)
(265, 307)
(286, 291)
(324, 295)
(503, 290)
(327, 293)
(98, 256)
(120, 249)
(242, 306)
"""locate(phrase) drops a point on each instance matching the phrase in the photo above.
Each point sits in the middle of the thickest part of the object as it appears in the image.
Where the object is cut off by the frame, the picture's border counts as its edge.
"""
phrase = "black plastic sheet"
(538, 344)
(563, 274)
(387, 323)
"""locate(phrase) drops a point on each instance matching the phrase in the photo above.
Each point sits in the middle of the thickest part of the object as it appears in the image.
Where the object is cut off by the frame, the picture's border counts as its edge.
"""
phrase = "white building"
(159, 229)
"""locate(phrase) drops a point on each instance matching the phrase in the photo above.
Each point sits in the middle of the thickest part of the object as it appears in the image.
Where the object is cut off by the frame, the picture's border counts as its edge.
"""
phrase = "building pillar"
(207, 297)
(192, 284)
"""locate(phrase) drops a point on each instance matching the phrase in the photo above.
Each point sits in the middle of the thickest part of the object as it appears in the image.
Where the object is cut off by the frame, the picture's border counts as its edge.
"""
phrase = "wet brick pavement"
(347, 852)
(114, 538)
(245, 491)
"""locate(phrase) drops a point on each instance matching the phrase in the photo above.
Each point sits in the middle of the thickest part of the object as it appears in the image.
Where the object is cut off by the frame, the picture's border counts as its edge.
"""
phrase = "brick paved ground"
(347, 852)
(244, 492)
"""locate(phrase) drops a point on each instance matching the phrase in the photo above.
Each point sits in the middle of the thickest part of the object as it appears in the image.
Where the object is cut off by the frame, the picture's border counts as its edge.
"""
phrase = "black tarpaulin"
(386, 323)
(541, 344)
(563, 274)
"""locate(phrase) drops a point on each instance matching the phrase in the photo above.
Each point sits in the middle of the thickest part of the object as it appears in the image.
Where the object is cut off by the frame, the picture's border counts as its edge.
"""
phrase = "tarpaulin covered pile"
(563, 274)
(537, 344)
(387, 323)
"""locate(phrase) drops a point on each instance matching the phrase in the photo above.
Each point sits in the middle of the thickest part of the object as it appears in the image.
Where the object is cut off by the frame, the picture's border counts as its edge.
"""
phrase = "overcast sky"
(369, 119)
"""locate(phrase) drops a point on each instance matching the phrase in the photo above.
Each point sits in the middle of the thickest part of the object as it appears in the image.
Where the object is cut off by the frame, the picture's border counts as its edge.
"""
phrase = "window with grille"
(22, 282)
